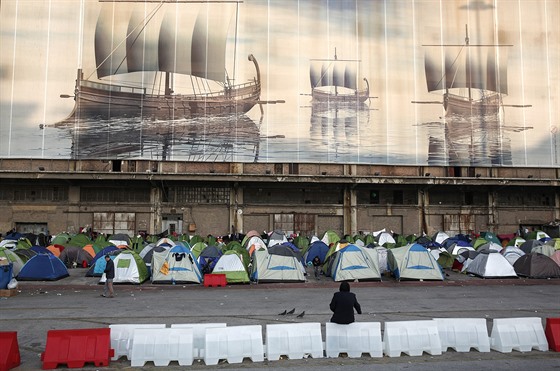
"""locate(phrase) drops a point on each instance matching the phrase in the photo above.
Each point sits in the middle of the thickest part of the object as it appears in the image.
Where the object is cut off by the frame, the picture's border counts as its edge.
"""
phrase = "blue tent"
(43, 267)
(97, 265)
(209, 257)
(317, 248)
(106, 250)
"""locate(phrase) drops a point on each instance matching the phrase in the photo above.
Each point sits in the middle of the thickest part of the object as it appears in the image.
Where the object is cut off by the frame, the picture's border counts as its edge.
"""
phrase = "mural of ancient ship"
(145, 51)
(473, 81)
(336, 80)
(472, 77)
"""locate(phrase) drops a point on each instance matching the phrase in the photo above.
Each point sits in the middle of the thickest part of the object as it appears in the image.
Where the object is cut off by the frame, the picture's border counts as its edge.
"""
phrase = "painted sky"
(45, 41)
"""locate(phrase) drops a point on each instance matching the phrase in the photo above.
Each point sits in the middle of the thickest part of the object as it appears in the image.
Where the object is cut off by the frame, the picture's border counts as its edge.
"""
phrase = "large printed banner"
(397, 82)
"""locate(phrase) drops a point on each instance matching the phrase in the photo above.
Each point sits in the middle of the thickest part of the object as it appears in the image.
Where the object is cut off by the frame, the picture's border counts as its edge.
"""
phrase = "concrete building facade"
(131, 196)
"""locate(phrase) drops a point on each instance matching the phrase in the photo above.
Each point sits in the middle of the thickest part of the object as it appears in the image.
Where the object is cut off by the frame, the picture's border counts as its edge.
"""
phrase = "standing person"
(109, 275)
(317, 267)
(343, 304)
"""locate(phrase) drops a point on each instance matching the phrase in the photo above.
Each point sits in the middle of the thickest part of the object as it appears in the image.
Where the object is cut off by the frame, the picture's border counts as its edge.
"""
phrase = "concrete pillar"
(155, 214)
(236, 209)
(350, 209)
(557, 205)
(493, 218)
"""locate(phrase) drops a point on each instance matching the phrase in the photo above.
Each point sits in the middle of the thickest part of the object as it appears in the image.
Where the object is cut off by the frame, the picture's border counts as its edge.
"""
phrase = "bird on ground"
(301, 315)
(282, 314)
(292, 311)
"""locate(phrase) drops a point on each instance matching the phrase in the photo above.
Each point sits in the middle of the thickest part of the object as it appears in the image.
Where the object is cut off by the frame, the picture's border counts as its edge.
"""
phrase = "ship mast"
(468, 66)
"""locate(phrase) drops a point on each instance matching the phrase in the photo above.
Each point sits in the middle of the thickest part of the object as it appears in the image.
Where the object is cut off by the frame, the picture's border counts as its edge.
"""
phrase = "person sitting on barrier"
(109, 275)
(343, 304)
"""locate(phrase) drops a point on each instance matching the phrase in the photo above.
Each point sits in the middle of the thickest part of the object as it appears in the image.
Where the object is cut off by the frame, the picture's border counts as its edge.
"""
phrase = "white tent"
(276, 268)
(231, 264)
(354, 263)
(414, 262)
(175, 265)
(512, 253)
(491, 265)
(129, 268)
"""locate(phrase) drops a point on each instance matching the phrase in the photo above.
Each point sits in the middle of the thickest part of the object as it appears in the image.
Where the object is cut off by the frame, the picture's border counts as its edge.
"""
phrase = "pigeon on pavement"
(292, 311)
(281, 314)
(301, 315)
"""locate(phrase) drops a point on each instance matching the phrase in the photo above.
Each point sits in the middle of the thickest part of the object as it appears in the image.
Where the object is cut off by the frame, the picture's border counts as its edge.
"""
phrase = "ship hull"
(326, 97)
(109, 101)
(462, 106)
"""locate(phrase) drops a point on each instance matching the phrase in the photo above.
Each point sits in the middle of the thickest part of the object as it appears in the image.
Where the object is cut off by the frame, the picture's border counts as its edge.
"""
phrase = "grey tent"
(491, 265)
(536, 265)
(74, 254)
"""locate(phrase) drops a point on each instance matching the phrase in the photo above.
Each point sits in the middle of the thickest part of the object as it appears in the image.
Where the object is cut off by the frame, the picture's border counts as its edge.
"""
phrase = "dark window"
(113, 194)
(468, 198)
(34, 194)
(294, 169)
(398, 197)
(116, 166)
(197, 195)
(278, 169)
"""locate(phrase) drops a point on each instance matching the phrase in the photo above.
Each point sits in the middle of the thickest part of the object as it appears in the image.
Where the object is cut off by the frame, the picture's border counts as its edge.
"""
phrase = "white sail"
(474, 67)
(172, 38)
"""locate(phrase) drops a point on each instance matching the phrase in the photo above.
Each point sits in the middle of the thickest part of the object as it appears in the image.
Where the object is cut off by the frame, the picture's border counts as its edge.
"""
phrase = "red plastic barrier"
(9, 350)
(76, 347)
(215, 280)
(552, 332)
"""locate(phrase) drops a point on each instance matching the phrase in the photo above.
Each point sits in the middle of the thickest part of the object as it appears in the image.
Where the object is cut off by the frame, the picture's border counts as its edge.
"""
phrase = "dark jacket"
(342, 305)
(109, 269)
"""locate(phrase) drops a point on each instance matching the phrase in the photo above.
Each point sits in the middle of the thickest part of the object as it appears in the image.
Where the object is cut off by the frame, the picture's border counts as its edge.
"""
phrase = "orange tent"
(55, 249)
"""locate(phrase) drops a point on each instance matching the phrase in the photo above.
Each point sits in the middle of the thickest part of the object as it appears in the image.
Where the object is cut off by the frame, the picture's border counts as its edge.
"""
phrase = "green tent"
(196, 238)
(479, 242)
(490, 237)
(79, 240)
(61, 239)
(516, 241)
(536, 235)
(197, 248)
(302, 243)
(231, 264)
(445, 259)
(129, 268)
(329, 237)
(12, 257)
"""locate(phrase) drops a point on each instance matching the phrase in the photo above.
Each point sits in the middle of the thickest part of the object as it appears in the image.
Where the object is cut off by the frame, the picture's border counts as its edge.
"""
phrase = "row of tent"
(274, 258)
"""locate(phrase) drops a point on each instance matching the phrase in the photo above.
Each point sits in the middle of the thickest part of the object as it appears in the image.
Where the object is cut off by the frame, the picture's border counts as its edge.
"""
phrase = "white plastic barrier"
(121, 337)
(233, 344)
(162, 346)
(354, 339)
(293, 340)
(521, 334)
(412, 338)
(199, 335)
(462, 334)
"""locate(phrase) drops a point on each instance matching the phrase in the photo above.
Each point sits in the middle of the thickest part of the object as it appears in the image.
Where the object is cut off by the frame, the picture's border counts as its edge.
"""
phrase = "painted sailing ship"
(336, 80)
(169, 43)
(472, 77)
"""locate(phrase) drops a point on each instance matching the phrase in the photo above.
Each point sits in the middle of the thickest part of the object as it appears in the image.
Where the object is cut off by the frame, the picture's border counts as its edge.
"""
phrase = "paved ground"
(74, 302)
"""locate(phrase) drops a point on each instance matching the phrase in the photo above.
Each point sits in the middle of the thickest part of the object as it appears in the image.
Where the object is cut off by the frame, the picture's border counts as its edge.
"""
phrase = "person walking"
(109, 275)
(343, 304)
(317, 267)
